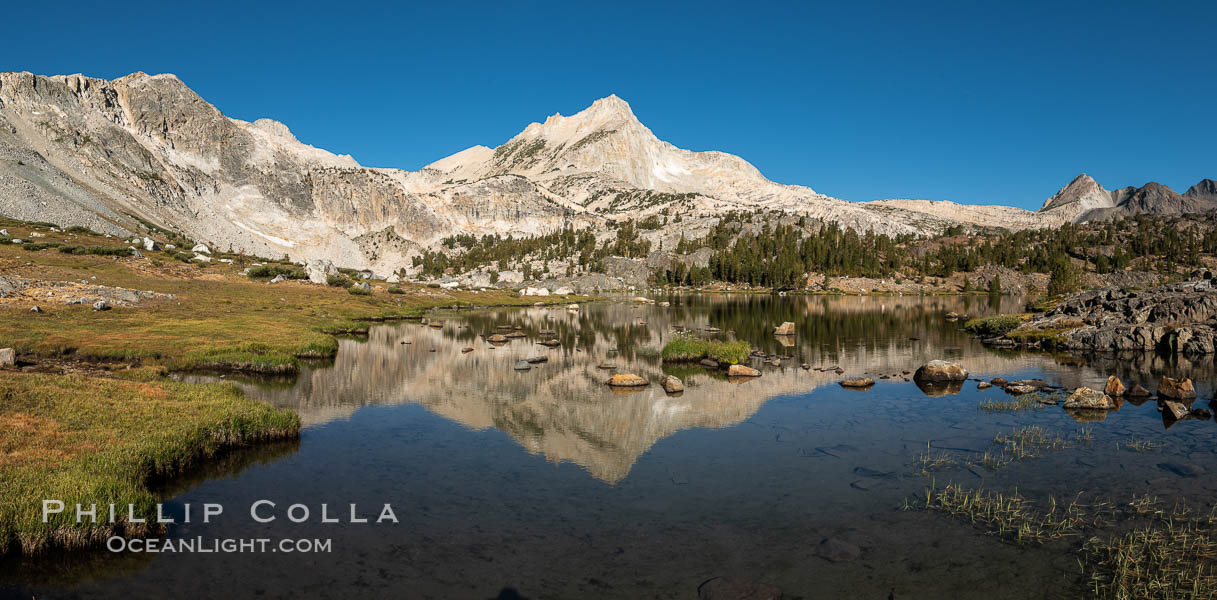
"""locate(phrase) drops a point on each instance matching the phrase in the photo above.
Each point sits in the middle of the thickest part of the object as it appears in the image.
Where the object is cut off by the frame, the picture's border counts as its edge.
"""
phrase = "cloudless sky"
(977, 102)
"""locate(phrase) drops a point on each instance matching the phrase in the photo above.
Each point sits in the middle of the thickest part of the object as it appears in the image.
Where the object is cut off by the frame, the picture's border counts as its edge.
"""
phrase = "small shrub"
(358, 291)
(40, 246)
(81, 229)
(269, 271)
(396, 290)
(338, 281)
(97, 250)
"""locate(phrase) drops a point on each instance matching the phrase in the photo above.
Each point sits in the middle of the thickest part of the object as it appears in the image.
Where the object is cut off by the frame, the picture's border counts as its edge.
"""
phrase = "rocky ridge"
(1178, 318)
(117, 155)
(1083, 199)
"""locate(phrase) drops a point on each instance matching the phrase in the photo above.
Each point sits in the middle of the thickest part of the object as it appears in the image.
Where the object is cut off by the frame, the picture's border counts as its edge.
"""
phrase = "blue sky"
(976, 102)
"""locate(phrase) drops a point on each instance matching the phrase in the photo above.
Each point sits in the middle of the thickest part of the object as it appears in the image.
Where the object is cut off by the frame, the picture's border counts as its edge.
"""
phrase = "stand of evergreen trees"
(779, 251)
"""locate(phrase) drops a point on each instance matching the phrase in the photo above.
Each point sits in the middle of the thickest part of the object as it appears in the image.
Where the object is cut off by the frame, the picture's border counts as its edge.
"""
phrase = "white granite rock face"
(85, 151)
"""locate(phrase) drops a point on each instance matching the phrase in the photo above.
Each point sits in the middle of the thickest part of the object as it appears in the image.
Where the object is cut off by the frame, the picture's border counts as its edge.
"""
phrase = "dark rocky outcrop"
(1178, 318)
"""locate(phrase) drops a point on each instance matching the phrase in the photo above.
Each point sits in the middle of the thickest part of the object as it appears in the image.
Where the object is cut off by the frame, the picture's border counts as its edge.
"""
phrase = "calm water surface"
(549, 484)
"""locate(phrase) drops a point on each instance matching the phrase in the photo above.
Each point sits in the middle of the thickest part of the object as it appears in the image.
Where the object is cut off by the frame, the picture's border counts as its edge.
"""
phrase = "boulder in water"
(742, 371)
(626, 380)
(940, 370)
(857, 383)
(1177, 389)
(1087, 398)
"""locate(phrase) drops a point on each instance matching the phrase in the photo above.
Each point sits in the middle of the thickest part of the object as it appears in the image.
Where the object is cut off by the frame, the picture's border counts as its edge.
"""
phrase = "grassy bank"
(689, 349)
(93, 440)
(995, 325)
(203, 315)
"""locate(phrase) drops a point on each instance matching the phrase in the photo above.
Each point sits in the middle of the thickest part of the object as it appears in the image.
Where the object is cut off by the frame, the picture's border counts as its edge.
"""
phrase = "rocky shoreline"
(1177, 318)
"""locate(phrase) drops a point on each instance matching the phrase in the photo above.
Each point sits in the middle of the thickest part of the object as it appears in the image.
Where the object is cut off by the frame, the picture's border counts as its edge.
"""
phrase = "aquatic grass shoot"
(1139, 445)
(1007, 515)
(930, 461)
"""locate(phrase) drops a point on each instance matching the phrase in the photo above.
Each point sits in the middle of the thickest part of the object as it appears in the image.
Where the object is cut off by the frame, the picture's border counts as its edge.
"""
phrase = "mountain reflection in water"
(563, 410)
(788, 479)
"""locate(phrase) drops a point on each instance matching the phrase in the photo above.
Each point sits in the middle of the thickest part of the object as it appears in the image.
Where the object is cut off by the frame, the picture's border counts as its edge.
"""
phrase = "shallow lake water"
(547, 483)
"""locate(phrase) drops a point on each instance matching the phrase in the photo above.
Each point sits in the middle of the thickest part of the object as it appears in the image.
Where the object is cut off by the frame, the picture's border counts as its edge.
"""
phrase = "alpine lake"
(547, 483)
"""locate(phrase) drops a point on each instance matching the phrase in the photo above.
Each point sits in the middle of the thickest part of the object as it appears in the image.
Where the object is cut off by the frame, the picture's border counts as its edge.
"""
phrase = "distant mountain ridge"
(1083, 199)
(108, 154)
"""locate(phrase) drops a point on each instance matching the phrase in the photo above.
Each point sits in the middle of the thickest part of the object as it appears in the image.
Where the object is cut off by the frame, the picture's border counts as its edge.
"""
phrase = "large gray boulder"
(319, 270)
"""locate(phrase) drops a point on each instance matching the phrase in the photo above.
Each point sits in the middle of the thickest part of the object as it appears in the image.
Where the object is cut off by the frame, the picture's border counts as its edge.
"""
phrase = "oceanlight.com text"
(201, 545)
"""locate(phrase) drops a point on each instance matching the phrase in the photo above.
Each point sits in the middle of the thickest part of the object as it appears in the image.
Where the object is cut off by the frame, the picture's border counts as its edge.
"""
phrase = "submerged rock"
(984, 385)
(537, 359)
(522, 365)
(835, 550)
(705, 362)
(673, 385)
(466, 350)
(1179, 389)
(998, 381)
(1114, 386)
(1182, 469)
(626, 380)
(1087, 398)
(737, 588)
(940, 370)
(742, 371)
(786, 328)
(1138, 392)
(497, 338)
(1018, 389)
